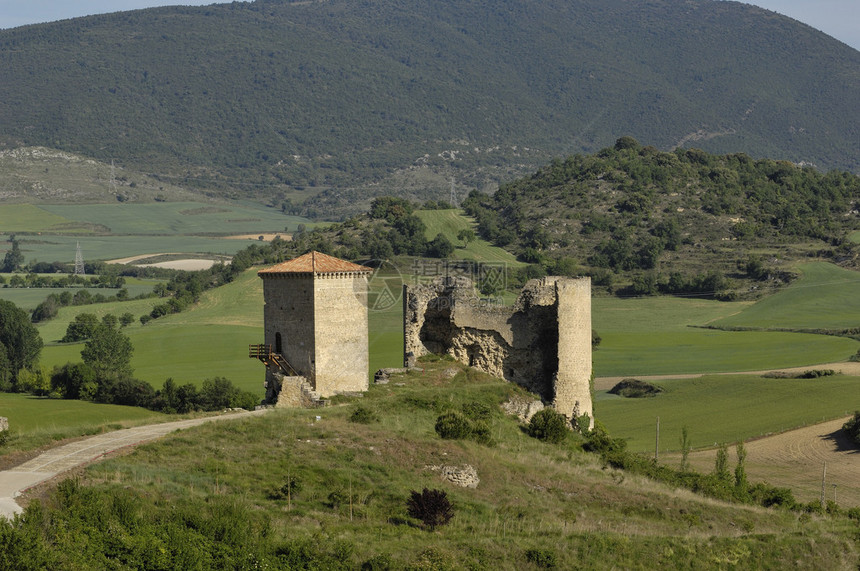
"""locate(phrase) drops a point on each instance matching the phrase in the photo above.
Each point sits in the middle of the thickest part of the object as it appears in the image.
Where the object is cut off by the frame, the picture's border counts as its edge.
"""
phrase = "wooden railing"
(269, 358)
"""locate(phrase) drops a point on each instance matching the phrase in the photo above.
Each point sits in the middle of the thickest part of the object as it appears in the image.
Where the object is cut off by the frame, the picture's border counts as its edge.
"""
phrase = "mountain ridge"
(268, 97)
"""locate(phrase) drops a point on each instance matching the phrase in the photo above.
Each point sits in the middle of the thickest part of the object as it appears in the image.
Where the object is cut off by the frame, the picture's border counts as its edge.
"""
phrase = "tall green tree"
(13, 259)
(108, 351)
(20, 342)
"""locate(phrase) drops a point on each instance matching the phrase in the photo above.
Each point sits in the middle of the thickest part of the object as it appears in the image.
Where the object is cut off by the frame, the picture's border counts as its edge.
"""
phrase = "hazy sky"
(838, 18)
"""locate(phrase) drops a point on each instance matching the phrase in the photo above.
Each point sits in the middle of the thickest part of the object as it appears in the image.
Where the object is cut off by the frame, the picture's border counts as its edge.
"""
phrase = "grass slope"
(826, 296)
(725, 409)
(177, 218)
(535, 504)
(449, 223)
(35, 421)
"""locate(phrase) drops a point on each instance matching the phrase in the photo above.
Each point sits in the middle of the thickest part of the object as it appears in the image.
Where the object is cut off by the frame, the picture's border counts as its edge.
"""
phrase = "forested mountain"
(342, 99)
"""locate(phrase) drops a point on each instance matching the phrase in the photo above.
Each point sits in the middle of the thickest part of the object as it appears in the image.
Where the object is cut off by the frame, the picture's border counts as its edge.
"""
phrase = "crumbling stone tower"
(542, 343)
(316, 328)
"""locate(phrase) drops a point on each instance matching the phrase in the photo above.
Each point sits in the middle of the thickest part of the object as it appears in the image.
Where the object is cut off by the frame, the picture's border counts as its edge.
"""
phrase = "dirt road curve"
(58, 460)
(795, 460)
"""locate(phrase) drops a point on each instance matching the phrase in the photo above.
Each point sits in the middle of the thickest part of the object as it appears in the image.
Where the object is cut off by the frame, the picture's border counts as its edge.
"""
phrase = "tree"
(126, 319)
(20, 342)
(74, 381)
(82, 327)
(14, 258)
(440, 247)
(466, 235)
(108, 351)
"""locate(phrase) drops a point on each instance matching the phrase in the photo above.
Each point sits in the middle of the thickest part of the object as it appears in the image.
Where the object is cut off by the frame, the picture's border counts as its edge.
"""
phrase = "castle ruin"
(316, 329)
(543, 343)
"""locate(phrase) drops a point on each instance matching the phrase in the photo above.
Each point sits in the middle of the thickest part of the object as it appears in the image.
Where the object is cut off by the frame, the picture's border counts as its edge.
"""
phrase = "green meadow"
(825, 296)
(36, 421)
(28, 218)
(655, 335)
(725, 408)
(157, 218)
(449, 223)
(29, 298)
(62, 248)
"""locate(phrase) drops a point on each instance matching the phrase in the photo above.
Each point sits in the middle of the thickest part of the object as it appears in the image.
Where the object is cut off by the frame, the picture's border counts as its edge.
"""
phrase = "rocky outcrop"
(464, 476)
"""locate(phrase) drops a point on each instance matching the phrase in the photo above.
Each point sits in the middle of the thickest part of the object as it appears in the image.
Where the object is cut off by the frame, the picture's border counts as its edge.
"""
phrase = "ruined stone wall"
(289, 310)
(341, 333)
(543, 343)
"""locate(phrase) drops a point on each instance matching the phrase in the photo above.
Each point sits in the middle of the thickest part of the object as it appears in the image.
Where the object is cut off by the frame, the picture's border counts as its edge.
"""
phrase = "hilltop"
(678, 222)
(327, 489)
(342, 100)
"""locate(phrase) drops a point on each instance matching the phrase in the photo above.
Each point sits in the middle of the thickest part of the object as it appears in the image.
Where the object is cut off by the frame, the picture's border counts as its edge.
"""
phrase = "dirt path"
(57, 460)
(795, 460)
(846, 368)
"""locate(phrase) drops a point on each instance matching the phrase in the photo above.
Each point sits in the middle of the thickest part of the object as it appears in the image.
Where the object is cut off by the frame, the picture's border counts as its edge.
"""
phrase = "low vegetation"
(852, 428)
(293, 491)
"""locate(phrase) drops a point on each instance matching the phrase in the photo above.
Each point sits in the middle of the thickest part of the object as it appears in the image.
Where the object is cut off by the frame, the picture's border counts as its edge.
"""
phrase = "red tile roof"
(316, 263)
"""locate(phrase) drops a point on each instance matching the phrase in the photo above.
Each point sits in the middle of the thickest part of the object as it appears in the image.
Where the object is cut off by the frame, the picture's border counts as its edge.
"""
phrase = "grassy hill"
(683, 222)
(341, 100)
(310, 489)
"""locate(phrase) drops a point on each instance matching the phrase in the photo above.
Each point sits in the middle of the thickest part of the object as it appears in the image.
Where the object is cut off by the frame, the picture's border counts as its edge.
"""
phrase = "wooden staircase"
(271, 359)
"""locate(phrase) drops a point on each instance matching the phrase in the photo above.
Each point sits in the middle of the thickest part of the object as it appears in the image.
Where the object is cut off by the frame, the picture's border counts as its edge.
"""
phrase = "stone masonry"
(543, 343)
(315, 317)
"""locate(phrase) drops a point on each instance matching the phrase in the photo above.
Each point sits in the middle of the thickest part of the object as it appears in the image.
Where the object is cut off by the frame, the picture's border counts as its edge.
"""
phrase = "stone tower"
(315, 321)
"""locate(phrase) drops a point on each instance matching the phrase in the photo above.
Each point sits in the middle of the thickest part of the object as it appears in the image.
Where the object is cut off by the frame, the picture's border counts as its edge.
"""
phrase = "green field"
(652, 336)
(725, 408)
(28, 413)
(825, 296)
(28, 218)
(855, 237)
(167, 218)
(449, 223)
(29, 298)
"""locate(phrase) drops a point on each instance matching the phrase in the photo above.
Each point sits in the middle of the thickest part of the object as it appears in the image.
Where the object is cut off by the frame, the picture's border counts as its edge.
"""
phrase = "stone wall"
(543, 343)
(340, 333)
(289, 311)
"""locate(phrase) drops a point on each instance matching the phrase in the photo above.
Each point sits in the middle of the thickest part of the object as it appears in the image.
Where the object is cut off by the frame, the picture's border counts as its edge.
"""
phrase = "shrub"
(549, 426)
(453, 426)
(432, 507)
(363, 415)
(288, 489)
(542, 558)
(381, 562)
(457, 426)
(852, 427)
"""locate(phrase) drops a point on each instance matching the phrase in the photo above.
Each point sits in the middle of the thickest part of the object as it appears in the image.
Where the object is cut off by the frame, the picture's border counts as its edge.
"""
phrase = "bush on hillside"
(457, 426)
(432, 507)
(549, 426)
(363, 415)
